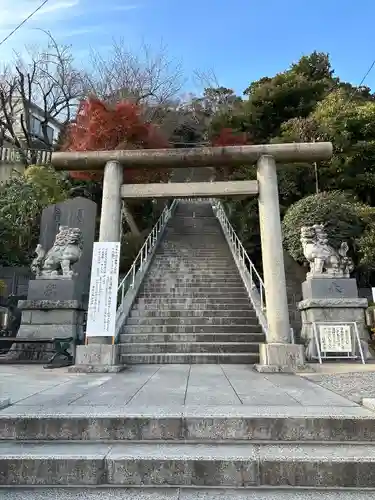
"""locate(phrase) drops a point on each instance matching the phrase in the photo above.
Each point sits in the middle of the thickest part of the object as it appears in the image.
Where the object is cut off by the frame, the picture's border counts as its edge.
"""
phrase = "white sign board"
(335, 338)
(101, 314)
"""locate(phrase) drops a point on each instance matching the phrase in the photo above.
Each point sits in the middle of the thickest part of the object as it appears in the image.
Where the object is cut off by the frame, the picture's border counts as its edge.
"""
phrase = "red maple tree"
(100, 126)
(228, 137)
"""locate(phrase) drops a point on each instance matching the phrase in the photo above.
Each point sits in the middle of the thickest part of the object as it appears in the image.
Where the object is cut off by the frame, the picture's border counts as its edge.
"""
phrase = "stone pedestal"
(281, 358)
(47, 319)
(331, 300)
(97, 358)
(58, 289)
(53, 309)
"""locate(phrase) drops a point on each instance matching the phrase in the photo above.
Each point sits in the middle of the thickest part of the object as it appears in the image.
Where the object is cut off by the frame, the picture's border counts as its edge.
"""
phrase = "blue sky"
(240, 40)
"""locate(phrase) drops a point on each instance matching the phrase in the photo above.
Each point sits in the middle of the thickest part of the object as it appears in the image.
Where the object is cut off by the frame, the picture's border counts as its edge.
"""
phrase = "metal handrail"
(252, 279)
(128, 282)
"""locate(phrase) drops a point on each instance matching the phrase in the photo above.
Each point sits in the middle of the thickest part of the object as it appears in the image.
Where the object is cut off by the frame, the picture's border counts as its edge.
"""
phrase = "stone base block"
(46, 319)
(333, 310)
(96, 368)
(55, 289)
(285, 358)
(97, 358)
(324, 288)
(4, 403)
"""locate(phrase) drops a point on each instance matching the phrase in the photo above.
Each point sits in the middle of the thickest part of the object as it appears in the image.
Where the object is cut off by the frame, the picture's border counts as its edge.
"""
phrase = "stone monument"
(57, 298)
(329, 294)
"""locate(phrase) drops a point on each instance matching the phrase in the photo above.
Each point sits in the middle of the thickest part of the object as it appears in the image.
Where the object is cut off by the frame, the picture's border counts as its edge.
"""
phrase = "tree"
(45, 83)
(292, 94)
(100, 126)
(345, 219)
(349, 124)
(145, 77)
(22, 200)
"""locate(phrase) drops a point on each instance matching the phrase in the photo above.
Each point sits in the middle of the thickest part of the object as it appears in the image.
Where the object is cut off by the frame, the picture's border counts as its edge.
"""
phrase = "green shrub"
(344, 219)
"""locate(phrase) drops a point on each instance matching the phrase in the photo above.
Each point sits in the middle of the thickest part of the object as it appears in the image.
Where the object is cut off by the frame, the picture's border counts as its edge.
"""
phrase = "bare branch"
(149, 78)
(44, 85)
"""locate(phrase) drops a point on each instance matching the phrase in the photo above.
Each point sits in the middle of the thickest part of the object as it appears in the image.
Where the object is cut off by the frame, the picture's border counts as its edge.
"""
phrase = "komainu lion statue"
(324, 260)
(57, 262)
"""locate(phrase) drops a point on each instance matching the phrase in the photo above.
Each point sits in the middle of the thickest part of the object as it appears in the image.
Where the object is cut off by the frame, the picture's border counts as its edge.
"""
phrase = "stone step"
(194, 268)
(191, 337)
(233, 465)
(157, 273)
(199, 258)
(259, 424)
(186, 258)
(166, 278)
(190, 312)
(192, 321)
(215, 248)
(228, 329)
(177, 302)
(213, 245)
(221, 249)
(181, 493)
(190, 294)
(177, 358)
(205, 280)
(190, 289)
(189, 347)
(182, 271)
(217, 303)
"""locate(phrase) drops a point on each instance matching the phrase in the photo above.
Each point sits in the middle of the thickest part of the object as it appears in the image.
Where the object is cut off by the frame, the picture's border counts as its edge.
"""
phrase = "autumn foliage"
(228, 137)
(100, 126)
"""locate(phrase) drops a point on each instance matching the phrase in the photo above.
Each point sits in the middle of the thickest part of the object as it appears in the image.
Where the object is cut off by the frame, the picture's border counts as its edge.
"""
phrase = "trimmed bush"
(337, 210)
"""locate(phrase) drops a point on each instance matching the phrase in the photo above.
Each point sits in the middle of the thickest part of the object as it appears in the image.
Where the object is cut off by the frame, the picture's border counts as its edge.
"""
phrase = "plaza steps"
(192, 306)
(255, 451)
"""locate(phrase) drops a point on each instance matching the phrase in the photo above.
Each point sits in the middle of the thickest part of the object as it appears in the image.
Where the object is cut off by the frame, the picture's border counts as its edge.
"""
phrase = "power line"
(361, 82)
(23, 22)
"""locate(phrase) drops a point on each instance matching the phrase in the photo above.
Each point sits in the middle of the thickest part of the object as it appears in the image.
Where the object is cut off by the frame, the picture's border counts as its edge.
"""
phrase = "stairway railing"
(130, 284)
(250, 276)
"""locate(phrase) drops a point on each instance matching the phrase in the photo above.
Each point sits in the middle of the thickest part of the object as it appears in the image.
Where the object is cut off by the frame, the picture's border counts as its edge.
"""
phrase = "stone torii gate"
(278, 351)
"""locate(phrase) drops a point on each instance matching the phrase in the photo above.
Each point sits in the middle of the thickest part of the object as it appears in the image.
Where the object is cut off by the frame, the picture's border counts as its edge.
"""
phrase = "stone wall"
(16, 280)
(295, 275)
(8, 170)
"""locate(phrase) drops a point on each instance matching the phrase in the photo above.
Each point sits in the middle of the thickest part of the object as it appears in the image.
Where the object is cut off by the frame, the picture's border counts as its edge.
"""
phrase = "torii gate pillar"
(278, 354)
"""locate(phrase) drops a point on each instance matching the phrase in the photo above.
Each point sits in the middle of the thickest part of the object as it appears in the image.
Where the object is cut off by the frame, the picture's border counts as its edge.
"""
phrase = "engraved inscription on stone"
(49, 291)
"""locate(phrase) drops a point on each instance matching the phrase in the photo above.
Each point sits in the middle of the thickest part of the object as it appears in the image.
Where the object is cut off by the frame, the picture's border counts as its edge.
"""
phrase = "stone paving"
(213, 390)
(166, 387)
(177, 494)
(353, 385)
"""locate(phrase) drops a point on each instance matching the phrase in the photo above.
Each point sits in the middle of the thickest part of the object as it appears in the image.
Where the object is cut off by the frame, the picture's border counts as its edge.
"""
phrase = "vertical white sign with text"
(101, 314)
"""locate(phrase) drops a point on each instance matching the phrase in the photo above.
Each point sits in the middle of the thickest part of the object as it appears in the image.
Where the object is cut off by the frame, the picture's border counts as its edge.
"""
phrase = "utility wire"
(23, 22)
(361, 82)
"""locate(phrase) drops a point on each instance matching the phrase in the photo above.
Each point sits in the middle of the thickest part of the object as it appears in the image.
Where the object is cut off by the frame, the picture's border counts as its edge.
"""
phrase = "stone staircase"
(192, 306)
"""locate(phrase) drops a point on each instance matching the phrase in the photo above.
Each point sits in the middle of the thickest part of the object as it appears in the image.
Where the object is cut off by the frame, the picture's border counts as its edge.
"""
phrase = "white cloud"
(123, 7)
(85, 30)
(55, 7)
(62, 18)
(10, 16)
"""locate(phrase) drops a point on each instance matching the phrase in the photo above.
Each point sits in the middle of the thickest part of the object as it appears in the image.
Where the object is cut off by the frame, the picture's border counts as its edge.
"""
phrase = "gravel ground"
(353, 386)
